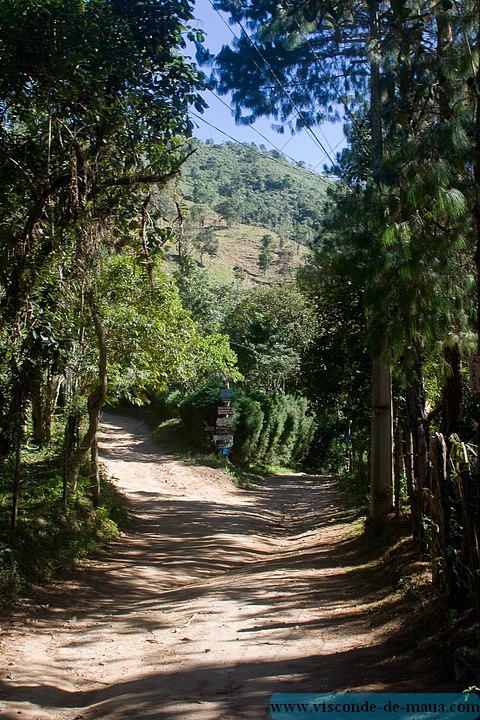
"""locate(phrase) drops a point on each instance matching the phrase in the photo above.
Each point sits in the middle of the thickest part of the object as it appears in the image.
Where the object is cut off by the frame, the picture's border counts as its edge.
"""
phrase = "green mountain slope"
(236, 195)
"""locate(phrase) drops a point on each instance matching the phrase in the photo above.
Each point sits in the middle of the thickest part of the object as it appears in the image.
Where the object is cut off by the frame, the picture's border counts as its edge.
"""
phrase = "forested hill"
(249, 209)
(255, 186)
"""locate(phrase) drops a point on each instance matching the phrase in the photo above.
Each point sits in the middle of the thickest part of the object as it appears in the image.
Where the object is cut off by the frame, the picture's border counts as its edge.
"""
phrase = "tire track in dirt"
(215, 598)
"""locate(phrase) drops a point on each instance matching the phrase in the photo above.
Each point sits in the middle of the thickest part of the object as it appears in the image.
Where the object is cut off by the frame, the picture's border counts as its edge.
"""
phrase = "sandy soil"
(215, 599)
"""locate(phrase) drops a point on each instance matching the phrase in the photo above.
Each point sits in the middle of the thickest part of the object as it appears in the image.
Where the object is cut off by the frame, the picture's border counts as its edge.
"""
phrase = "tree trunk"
(471, 550)
(70, 442)
(416, 423)
(96, 400)
(422, 484)
(398, 467)
(14, 427)
(95, 472)
(451, 393)
(41, 427)
(476, 213)
(381, 455)
(408, 455)
(16, 492)
(381, 469)
(438, 519)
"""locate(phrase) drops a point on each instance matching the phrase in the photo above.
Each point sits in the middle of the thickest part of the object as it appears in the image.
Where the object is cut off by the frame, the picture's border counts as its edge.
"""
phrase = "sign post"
(221, 434)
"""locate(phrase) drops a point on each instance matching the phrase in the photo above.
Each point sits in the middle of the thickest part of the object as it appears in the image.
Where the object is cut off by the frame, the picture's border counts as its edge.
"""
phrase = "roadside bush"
(278, 419)
(327, 450)
(267, 403)
(304, 435)
(247, 428)
(198, 409)
(9, 575)
(49, 537)
(285, 433)
(165, 405)
(293, 431)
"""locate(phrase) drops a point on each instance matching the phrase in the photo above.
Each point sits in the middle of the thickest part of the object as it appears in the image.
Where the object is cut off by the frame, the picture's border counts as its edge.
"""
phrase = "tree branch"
(139, 179)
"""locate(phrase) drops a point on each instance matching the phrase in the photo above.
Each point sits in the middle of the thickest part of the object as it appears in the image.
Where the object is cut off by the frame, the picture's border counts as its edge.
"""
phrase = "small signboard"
(475, 373)
(224, 422)
(226, 393)
(225, 410)
(223, 440)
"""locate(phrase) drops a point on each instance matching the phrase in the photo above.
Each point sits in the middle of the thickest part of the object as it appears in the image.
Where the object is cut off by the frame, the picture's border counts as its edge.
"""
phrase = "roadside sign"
(223, 440)
(222, 410)
(475, 373)
(224, 422)
(226, 393)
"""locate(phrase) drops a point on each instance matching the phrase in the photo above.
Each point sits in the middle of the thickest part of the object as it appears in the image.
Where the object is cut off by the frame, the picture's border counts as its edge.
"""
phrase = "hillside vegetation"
(250, 214)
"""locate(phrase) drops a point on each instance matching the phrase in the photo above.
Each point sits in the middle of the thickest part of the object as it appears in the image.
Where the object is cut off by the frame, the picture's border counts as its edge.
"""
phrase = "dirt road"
(215, 599)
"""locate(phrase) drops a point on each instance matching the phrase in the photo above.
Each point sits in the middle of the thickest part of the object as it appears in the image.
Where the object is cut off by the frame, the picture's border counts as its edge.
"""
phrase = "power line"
(255, 148)
(279, 83)
(252, 127)
(284, 90)
(333, 150)
(325, 75)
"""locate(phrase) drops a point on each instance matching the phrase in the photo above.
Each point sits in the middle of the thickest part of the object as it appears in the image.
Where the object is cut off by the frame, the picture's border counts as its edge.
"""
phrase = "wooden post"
(472, 538)
(95, 472)
(399, 465)
(16, 491)
(437, 474)
(381, 470)
(422, 483)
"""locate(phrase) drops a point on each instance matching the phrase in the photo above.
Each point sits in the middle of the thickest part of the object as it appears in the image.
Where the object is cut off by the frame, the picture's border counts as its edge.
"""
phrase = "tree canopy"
(94, 100)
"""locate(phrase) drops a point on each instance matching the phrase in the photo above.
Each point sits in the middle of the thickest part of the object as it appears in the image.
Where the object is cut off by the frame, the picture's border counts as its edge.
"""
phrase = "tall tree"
(93, 110)
(270, 328)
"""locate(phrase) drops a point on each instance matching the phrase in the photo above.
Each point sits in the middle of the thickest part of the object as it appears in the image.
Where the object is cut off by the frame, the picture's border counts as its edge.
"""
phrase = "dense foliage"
(94, 101)
(255, 186)
(271, 330)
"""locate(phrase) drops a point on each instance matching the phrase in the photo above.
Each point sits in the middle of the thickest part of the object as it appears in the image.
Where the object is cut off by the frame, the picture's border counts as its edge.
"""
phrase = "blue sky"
(300, 147)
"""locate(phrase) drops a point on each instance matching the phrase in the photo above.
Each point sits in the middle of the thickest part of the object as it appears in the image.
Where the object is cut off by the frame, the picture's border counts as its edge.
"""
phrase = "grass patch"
(51, 537)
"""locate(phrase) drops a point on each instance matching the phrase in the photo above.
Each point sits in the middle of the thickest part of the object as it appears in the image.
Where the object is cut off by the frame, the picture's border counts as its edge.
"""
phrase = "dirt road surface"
(215, 599)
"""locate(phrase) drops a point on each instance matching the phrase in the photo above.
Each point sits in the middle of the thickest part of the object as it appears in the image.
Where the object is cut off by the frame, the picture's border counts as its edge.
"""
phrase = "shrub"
(9, 575)
(247, 428)
(165, 405)
(50, 538)
(198, 409)
(285, 433)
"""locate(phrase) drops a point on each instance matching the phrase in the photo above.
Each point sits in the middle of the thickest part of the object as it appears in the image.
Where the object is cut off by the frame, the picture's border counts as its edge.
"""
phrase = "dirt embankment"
(216, 598)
